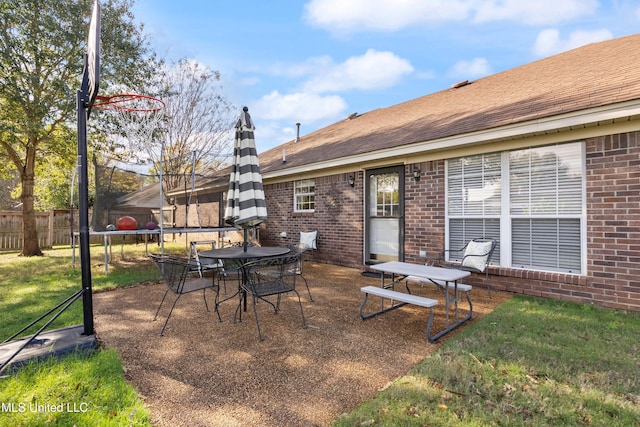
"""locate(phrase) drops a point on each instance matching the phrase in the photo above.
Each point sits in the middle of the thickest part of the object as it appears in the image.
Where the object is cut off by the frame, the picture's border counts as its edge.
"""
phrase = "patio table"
(242, 257)
(444, 278)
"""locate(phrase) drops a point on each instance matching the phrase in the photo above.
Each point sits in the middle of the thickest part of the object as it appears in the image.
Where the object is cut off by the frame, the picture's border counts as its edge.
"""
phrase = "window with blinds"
(531, 201)
(546, 207)
(474, 199)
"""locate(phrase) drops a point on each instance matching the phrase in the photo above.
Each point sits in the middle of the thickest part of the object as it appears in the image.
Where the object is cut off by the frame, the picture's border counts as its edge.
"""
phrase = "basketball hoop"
(138, 116)
(129, 103)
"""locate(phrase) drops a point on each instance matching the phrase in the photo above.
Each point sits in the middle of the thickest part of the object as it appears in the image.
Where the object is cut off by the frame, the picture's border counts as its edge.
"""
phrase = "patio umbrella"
(246, 207)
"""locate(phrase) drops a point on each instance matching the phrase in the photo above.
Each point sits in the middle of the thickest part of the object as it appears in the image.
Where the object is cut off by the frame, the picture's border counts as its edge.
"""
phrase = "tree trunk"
(30, 245)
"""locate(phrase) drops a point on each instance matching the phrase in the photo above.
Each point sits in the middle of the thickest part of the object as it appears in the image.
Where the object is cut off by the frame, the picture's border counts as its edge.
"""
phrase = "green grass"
(530, 362)
(33, 285)
(80, 390)
(91, 388)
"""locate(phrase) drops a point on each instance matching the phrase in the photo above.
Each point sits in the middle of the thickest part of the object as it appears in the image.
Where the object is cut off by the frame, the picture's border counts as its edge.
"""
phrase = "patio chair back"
(309, 239)
(298, 270)
(268, 277)
(202, 264)
(475, 256)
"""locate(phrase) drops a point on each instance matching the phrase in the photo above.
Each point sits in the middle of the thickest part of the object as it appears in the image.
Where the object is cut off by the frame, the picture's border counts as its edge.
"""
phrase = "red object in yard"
(127, 223)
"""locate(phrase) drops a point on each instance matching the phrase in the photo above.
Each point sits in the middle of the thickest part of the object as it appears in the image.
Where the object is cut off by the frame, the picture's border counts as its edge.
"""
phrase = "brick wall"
(424, 210)
(203, 211)
(613, 226)
(338, 217)
(613, 219)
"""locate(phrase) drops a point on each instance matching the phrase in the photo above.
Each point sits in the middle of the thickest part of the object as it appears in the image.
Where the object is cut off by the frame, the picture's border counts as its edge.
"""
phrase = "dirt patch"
(206, 373)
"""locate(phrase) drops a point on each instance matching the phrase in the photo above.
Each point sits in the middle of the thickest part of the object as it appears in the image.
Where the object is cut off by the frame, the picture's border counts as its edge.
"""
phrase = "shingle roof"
(591, 76)
(145, 197)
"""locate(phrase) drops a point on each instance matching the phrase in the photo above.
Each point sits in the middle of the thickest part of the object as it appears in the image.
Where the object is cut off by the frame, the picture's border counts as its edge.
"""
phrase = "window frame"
(506, 217)
(297, 202)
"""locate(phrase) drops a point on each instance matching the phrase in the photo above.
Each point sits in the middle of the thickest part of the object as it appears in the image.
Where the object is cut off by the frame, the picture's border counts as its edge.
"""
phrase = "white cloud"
(549, 41)
(373, 70)
(269, 134)
(298, 107)
(352, 15)
(539, 12)
(309, 67)
(383, 15)
(638, 13)
(276, 114)
(477, 67)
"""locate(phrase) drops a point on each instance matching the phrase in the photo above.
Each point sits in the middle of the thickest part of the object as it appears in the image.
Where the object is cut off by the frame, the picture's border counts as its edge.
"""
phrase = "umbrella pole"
(246, 239)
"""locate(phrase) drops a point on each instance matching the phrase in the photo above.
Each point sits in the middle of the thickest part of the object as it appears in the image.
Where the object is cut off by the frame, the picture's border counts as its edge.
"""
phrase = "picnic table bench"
(402, 298)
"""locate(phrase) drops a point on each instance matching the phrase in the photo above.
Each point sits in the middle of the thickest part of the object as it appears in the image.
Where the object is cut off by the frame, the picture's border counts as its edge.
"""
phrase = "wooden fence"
(54, 229)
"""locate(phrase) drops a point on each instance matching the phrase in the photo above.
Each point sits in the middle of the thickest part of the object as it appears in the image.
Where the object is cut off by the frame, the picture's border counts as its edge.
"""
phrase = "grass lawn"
(533, 362)
(91, 388)
(530, 362)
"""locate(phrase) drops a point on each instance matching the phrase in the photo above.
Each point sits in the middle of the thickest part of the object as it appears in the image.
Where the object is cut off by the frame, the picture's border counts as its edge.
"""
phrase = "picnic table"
(445, 279)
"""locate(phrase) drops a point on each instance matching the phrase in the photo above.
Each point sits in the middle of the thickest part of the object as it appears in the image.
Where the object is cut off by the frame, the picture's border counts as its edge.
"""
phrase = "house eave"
(595, 119)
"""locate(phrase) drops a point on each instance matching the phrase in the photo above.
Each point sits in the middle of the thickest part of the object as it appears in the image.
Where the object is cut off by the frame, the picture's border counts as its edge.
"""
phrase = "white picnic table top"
(425, 271)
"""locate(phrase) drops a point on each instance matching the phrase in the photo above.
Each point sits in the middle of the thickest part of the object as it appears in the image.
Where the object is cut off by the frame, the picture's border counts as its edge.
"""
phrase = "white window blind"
(546, 180)
(549, 244)
(474, 186)
(541, 200)
(474, 199)
(462, 230)
(546, 207)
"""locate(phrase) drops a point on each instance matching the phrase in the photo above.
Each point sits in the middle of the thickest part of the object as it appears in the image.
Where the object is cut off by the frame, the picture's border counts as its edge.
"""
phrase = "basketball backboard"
(92, 64)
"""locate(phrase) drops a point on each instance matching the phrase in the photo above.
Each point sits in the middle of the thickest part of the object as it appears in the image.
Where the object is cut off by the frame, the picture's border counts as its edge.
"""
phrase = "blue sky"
(317, 61)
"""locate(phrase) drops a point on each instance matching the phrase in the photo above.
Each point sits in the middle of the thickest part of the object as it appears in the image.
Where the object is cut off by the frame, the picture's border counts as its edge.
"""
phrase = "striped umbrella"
(246, 207)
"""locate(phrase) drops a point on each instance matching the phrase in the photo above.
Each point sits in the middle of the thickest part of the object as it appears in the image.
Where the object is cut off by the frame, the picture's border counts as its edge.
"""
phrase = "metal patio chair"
(309, 239)
(297, 270)
(475, 257)
(175, 273)
(201, 264)
(267, 278)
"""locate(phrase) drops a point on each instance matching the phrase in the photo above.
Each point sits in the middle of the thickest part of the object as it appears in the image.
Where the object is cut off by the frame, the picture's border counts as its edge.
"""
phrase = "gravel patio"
(206, 373)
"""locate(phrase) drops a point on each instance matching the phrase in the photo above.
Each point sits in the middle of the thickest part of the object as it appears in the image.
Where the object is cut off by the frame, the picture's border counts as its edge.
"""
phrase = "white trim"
(584, 219)
(595, 117)
(505, 226)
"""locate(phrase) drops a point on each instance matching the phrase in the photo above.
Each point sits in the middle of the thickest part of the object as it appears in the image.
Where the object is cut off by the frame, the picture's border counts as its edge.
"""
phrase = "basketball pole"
(83, 205)
(85, 99)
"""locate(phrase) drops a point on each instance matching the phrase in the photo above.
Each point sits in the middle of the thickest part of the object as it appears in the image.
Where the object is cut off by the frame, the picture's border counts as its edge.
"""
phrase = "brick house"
(544, 157)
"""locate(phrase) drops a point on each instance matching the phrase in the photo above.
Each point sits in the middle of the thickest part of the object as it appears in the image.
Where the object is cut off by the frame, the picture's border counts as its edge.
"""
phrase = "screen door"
(384, 215)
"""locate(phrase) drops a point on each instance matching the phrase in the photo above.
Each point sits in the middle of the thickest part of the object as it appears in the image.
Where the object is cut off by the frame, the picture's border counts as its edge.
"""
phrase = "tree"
(9, 179)
(197, 125)
(42, 46)
(55, 171)
(8, 182)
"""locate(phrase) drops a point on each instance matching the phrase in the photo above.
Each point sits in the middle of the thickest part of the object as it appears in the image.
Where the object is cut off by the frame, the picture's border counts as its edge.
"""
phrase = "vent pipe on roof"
(459, 84)
(298, 132)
